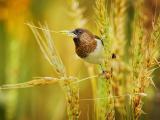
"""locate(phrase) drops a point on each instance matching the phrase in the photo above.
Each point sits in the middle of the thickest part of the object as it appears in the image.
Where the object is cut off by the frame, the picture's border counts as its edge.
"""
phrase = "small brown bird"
(89, 47)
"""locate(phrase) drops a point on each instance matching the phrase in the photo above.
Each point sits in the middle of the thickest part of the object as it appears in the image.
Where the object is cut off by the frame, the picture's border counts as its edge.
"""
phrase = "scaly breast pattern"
(87, 45)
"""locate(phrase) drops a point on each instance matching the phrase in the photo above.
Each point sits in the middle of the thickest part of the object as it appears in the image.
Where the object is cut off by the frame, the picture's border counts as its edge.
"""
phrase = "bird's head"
(80, 35)
(78, 32)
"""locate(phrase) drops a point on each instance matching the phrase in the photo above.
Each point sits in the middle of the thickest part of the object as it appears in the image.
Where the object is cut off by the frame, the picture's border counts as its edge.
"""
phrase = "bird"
(88, 46)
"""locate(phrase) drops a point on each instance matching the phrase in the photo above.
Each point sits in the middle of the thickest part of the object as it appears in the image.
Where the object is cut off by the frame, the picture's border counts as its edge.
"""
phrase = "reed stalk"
(145, 54)
(120, 89)
(71, 90)
(12, 73)
(105, 107)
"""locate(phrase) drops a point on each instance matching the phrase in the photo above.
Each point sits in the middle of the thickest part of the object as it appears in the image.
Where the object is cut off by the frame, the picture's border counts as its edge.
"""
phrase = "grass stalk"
(121, 68)
(105, 107)
(73, 102)
(144, 63)
(12, 73)
(49, 51)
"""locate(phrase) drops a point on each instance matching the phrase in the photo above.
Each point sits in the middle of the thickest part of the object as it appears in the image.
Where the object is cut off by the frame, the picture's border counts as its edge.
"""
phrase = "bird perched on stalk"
(89, 47)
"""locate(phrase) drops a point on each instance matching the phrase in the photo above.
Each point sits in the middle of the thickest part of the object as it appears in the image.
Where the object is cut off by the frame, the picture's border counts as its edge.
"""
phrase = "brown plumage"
(84, 43)
(88, 46)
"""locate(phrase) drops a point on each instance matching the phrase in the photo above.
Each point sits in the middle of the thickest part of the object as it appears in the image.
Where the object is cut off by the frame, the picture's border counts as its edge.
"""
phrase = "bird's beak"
(69, 33)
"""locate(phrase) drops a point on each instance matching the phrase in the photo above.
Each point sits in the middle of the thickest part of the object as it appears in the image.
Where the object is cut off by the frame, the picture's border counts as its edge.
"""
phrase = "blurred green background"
(21, 59)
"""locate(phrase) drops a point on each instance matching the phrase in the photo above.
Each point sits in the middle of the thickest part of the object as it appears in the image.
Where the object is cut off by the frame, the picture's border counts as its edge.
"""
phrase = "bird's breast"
(92, 53)
(96, 56)
(85, 48)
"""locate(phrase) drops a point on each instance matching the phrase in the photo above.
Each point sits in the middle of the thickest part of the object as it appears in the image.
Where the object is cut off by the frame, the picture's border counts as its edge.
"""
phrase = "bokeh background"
(21, 59)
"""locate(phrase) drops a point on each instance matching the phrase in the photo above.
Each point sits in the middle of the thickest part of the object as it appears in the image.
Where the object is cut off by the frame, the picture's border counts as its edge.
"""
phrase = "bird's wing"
(98, 38)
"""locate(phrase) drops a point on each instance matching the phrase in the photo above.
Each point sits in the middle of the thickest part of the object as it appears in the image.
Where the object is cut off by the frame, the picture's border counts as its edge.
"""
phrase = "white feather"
(97, 56)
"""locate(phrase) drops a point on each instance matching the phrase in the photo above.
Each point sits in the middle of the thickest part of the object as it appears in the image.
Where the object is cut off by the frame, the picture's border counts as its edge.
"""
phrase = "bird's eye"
(78, 31)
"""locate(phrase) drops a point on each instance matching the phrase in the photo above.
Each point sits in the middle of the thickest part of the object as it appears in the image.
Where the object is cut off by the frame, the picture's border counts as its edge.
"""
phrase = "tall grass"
(132, 69)
(145, 54)
(49, 51)
(69, 84)
(120, 65)
(124, 83)
(12, 74)
(105, 107)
